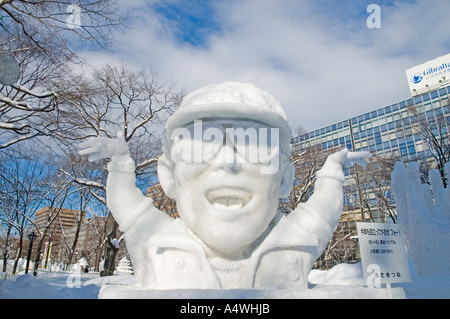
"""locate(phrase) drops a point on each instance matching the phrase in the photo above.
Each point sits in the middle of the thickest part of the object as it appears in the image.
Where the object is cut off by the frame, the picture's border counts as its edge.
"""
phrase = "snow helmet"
(230, 100)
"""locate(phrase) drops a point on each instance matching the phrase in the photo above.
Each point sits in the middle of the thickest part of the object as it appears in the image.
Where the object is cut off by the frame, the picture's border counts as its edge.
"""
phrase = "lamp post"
(31, 237)
(10, 69)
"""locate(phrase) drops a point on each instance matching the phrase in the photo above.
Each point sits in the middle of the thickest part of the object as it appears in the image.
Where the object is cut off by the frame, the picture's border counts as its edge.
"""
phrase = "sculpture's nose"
(232, 168)
(226, 158)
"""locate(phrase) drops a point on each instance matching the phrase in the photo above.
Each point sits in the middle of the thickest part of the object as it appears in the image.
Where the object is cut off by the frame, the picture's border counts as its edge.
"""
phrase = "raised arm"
(125, 201)
(321, 213)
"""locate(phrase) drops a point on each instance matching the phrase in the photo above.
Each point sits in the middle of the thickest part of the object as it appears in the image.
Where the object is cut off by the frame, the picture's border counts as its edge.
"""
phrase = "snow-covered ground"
(67, 285)
(58, 285)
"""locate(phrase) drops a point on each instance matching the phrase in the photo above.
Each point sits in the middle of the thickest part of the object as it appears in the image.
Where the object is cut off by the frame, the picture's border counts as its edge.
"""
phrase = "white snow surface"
(345, 280)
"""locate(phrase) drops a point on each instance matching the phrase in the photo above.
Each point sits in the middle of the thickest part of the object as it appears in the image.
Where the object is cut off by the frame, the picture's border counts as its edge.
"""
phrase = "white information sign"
(383, 254)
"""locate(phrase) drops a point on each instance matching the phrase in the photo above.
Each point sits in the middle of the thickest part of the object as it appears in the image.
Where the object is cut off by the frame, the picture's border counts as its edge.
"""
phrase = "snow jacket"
(172, 258)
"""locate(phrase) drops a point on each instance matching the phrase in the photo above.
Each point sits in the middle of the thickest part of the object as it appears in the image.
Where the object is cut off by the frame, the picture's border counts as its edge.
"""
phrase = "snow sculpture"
(226, 163)
(124, 266)
(81, 266)
(424, 217)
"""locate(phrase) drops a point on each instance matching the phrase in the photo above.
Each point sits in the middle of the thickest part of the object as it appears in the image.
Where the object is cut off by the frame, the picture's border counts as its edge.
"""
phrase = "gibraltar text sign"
(383, 254)
(429, 75)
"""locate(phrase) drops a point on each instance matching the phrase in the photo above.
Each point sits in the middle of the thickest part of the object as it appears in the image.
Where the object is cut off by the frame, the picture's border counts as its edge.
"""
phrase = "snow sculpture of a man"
(226, 163)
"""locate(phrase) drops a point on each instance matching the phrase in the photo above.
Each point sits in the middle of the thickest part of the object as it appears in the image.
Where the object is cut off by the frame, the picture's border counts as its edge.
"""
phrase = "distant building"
(391, 129)
(396, 129)
(55, 222)
(91, 237)
(416, 129)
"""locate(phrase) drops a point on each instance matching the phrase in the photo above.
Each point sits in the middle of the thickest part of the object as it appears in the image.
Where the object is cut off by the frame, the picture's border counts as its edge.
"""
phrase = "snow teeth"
(228, 198)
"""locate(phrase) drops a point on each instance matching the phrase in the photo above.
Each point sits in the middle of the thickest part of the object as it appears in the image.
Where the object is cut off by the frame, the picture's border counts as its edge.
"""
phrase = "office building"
(392, 129)
(54, 222)
(415, 129)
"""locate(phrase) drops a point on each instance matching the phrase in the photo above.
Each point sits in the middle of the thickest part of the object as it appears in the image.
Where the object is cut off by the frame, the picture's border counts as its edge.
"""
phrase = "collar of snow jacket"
(285, 235)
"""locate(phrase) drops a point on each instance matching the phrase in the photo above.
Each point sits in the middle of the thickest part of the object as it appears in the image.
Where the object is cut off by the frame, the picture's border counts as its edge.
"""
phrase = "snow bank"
(58, 285)
(318, 292)
(339, 275)
(27, 287)
(420, 287)
(342, 281)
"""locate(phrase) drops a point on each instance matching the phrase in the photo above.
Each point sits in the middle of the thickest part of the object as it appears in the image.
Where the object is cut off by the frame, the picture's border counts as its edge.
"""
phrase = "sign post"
(383, 255)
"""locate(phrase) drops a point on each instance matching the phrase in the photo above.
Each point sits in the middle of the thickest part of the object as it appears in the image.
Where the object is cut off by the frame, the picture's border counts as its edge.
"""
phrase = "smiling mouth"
(229, 198)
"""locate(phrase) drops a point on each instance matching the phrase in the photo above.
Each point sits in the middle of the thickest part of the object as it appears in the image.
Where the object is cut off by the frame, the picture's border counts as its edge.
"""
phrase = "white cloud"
(322, 69)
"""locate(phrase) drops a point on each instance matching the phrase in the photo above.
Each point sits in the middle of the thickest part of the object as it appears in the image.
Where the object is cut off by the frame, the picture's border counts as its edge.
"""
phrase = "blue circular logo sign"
(417, 78)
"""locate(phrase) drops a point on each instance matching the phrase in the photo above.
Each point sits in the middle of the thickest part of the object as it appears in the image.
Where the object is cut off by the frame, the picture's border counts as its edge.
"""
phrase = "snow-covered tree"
(36, 34)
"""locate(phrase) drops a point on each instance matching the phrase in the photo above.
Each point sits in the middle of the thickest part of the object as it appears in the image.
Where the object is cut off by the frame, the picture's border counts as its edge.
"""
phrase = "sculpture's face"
(227, 196)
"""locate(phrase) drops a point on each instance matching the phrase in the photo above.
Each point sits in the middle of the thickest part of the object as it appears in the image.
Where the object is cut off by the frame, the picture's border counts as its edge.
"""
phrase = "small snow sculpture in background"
(82, 265)
(226, 163)
(424, 216)
(124, 266)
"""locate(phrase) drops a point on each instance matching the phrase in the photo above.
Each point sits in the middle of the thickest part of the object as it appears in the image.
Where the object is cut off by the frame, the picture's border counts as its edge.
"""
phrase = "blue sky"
(190, 24)
(318, 58)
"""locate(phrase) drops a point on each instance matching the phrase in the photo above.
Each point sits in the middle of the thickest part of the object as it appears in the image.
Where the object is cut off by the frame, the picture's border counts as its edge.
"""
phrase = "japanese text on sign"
(370, 231)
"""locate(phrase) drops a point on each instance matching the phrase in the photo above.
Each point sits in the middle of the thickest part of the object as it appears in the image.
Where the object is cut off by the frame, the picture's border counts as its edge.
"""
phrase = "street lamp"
(9, 69)
(31, 237)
